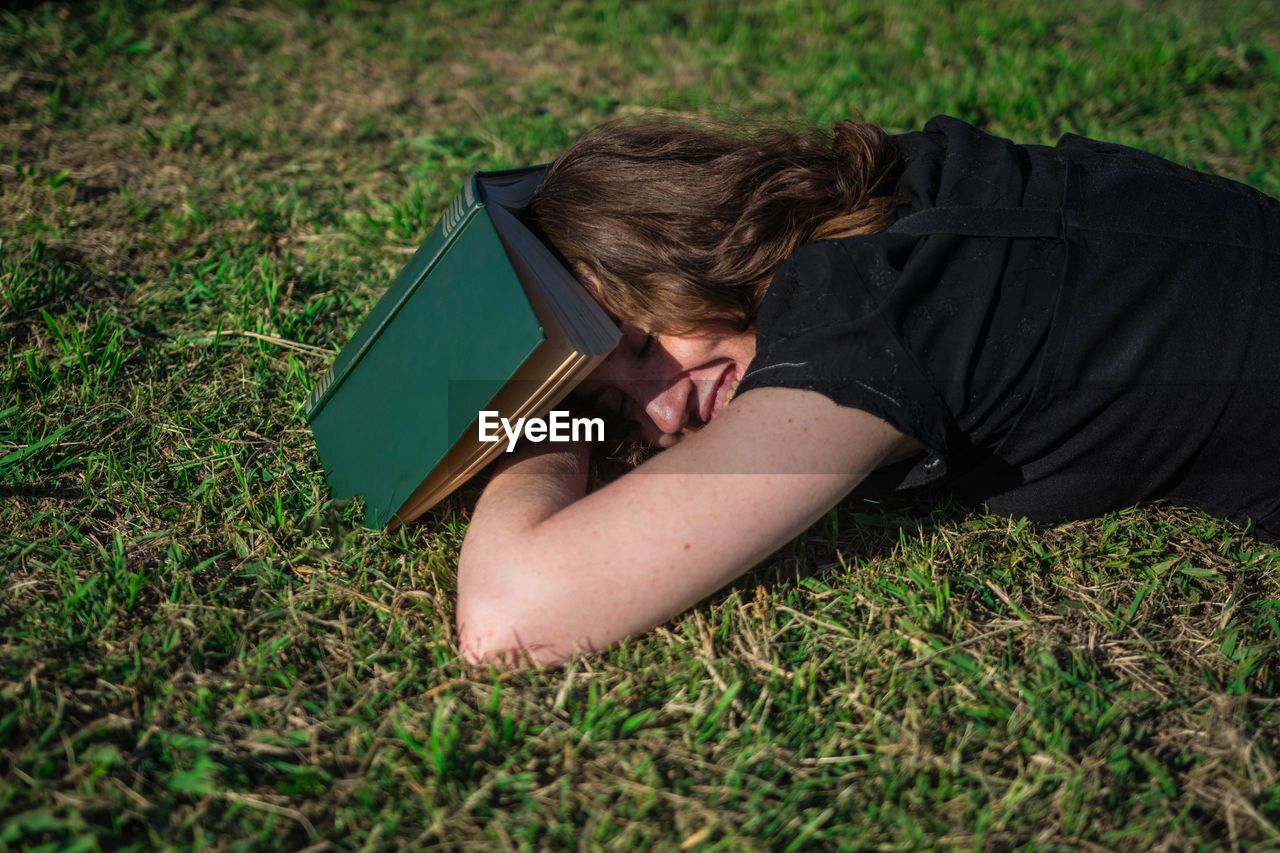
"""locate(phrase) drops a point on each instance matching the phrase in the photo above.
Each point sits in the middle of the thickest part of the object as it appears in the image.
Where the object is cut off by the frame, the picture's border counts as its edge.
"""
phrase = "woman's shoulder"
(951, 163)
(830, 282)
(833, 322)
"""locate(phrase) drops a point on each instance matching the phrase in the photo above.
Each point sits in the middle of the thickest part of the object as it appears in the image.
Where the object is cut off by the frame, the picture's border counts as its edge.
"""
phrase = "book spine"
(463, 207)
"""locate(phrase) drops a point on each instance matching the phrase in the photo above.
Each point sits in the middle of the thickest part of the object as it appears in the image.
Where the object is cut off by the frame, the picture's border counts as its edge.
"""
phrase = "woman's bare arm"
(546, 569)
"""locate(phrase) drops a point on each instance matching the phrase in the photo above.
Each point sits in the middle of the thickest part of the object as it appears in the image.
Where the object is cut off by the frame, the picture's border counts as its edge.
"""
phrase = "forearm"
(538, 481)
(533, 486)
(547, 569)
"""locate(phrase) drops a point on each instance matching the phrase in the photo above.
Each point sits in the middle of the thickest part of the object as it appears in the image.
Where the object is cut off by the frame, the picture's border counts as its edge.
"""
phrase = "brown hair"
(684, 225)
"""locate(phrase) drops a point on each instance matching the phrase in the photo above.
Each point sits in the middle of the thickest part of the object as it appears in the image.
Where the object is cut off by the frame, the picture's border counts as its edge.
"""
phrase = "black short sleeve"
(940, 335)
(823, 328)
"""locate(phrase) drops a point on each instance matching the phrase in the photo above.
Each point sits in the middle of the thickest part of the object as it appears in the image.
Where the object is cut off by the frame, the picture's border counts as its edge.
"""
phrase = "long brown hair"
(684, 225)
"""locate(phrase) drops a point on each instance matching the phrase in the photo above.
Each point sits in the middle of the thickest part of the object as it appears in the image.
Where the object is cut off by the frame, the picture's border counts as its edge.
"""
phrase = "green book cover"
(483, 317)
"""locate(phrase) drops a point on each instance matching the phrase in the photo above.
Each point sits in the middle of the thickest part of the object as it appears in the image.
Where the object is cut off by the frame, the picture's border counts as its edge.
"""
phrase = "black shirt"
(1065, 330)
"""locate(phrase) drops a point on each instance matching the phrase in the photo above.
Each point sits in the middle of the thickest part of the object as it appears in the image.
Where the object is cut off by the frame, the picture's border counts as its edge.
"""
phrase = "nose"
(655, 393)
(666, 408)
(658, 399)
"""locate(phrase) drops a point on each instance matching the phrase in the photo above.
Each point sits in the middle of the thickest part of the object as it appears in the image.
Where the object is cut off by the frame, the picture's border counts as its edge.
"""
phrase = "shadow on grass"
(34, 492)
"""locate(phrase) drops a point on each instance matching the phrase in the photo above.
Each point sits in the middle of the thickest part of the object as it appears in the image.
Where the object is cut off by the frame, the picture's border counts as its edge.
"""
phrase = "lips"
(721, 393)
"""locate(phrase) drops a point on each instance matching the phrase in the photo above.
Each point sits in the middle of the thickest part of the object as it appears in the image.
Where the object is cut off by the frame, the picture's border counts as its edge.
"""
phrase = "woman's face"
(669, 385)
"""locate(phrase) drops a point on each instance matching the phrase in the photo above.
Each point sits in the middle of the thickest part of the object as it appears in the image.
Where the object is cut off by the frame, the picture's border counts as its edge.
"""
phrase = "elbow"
(504, 619)
(490, 633)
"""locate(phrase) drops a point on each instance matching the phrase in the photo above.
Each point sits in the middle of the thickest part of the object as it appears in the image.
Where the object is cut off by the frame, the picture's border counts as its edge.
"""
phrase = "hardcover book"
(483, 318)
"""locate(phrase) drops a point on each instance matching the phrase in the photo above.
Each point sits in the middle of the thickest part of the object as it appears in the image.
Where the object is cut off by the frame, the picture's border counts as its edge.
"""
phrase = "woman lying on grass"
(1056, 332)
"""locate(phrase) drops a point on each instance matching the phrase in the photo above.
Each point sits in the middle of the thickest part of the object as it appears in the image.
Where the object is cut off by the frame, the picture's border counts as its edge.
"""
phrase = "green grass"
(199, 649)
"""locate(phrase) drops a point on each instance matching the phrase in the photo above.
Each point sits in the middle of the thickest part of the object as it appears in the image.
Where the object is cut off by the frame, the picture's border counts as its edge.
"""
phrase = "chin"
(671, 439)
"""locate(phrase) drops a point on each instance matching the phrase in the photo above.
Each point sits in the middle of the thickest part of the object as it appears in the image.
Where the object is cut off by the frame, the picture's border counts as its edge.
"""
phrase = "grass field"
(198, 203)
